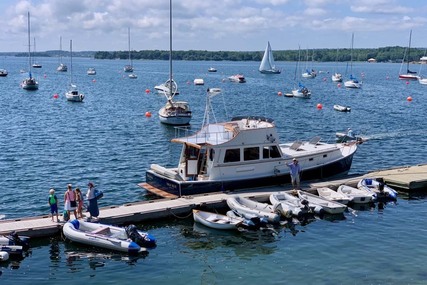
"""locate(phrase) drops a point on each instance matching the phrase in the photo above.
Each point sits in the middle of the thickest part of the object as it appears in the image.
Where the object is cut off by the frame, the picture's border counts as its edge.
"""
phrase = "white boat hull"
(332, 195)
(373, 186)
(357, 196)
(216, 221)
(248, 208)
(288, 205)
(329, 207)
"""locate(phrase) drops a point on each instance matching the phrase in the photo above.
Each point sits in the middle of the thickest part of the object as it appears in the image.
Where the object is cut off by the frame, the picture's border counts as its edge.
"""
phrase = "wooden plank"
(157, 191)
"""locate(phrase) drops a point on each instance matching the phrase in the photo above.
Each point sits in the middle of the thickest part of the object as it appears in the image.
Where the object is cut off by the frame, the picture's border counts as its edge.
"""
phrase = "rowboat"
(248, 208)
(342, 108)
(357, 196)
(109, 237)
(216, 221)
(320, 204)
(289, 205)
(332, 195)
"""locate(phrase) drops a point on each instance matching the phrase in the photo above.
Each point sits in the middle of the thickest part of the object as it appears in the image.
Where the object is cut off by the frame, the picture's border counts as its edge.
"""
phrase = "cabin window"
(270, 152)
(251, 153)
(325, 155)
(232, 155)
(191, 152)
(211, 154)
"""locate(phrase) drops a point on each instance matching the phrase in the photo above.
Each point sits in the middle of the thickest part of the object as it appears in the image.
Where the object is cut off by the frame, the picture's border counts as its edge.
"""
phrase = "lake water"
(48, 142)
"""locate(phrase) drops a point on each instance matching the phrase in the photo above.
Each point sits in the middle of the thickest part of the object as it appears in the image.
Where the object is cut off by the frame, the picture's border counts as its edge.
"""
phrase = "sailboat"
(29, 83)
(336, 77)
(62, 67)
(129, 67)
(309, 73)
(301, 91)
(267, 65)
(409, 75)
(352, 82)
(174, 112)
(35, 64)
(73, 94)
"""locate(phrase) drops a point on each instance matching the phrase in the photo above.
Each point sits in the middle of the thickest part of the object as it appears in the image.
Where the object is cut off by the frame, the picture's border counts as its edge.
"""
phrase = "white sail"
(267, 63)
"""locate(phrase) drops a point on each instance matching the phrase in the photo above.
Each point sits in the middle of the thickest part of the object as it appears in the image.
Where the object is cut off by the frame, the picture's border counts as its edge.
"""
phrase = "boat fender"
(76, 224)
(4, 256)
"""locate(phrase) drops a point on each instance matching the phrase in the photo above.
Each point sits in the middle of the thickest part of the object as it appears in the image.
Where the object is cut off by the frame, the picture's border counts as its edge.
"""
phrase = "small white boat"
(248, 208)
(110, 237)
(336, 77)
(212, 69)
(199, 81)
(216, 221)
(301, 92)
(289, 205)
(91, 71)
(357, 196)
(318, 203)
(342, 108)
(353, 83)
(3, 72)
(239, 78)
(133, 76)
(15, 239)
(378, 187)
(309, 74)
(332, 195)
(422, 81)
(342, 137)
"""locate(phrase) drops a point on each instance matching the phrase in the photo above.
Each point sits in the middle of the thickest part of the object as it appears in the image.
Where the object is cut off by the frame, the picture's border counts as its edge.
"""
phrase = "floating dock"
(405, 178)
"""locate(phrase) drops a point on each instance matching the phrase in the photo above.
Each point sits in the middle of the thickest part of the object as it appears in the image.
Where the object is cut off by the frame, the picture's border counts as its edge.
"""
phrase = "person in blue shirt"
(295, 171)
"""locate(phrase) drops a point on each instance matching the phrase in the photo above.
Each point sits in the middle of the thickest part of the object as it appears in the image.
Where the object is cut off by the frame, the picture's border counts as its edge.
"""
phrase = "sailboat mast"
(130, 58)
(409, 51)
(170, 48)
(351, 55)
(29, 45)
(71, 62)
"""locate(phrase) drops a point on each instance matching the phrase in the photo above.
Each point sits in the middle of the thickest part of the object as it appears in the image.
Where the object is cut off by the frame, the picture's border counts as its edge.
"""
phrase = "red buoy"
(279, 93)
(409, 98)
(148, 114)
(55, 96)
(147, 91)
(319, 106)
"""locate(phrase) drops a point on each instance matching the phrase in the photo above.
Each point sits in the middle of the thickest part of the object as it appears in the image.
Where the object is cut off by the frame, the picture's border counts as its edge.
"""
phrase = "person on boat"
(295, 170)
(70, 203)
(93, 202)
(350, 132)
(53, 203)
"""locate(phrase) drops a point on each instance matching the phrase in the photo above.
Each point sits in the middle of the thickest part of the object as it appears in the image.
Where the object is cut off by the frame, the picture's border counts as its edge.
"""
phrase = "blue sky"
(240, 25)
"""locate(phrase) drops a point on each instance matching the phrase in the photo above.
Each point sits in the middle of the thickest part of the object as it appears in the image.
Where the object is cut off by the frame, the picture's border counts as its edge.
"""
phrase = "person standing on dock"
(53, 203)
(70, 203)
(295, 170)
(93, 202)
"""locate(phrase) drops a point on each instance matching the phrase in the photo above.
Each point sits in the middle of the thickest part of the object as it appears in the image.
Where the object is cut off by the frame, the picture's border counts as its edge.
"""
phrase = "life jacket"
(52, 199)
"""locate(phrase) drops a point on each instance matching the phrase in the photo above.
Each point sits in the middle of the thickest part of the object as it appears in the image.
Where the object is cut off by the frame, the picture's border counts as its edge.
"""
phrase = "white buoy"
(4, 256)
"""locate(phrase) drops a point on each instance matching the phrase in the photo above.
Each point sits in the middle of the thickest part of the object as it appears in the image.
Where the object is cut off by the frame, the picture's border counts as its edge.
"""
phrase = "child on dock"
(80, 203)
(53, 203)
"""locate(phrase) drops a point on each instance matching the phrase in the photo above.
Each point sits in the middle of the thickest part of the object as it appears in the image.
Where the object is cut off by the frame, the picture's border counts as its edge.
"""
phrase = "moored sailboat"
(352, 82)
(268, 65)
(61, 67)
(73, 94)
(129, 67)
(29, 83)
(408, 75)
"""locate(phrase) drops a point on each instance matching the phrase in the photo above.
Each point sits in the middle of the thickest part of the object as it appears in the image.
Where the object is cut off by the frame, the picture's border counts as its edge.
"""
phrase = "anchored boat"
(245, 153)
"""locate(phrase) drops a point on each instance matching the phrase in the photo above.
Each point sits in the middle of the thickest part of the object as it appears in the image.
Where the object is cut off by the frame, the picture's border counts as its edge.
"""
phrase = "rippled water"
(47, 142)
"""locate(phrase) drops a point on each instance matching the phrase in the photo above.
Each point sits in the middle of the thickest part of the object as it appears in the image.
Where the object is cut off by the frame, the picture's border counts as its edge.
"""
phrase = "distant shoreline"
(385, 54)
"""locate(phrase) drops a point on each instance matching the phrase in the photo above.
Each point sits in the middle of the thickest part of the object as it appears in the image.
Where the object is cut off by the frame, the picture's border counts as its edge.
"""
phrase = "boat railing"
(211, 136)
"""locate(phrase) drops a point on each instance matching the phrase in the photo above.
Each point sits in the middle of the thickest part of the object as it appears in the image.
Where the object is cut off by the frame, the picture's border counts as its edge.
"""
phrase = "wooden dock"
(406, 178)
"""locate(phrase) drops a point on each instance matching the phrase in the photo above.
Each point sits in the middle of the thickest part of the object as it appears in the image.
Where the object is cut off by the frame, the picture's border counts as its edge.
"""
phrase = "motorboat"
(267, 65)
(289, 205)
(239, 78)
(421, 80)
(199, 81)
(29, 83)
(133, 76)
(15, 239)
(378, 187)
(345, 137)
(3, 72)
(164, 88)
(245, 152)
(212, 69)
(301, 92)
(123, 239)
(310, 74)
(73, 94)
(91, 71)
(248, 208)
(336, 77)
(216, 221)
(342, 108)
(332, 195)
(357, 196)
(250, 222)
(320, 204)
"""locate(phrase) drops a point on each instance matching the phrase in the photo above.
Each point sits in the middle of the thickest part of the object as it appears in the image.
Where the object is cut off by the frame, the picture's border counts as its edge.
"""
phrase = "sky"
(213, 25)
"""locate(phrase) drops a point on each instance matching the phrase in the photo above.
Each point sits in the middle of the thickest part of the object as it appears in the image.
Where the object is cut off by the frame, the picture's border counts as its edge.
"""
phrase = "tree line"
(385, 54)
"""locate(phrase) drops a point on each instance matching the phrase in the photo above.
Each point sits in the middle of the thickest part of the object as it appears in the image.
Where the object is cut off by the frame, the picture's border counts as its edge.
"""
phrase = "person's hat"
(69, 185)
(90, 184)
(349, 128)
(51, 191)
(294, 159)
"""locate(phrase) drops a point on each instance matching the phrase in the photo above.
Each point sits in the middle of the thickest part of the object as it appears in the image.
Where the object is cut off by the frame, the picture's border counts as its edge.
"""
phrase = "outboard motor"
(16, 240)
(142, 240)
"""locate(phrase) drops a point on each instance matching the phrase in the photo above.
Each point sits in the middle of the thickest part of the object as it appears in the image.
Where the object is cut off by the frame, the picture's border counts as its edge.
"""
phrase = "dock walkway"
(406, 178)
